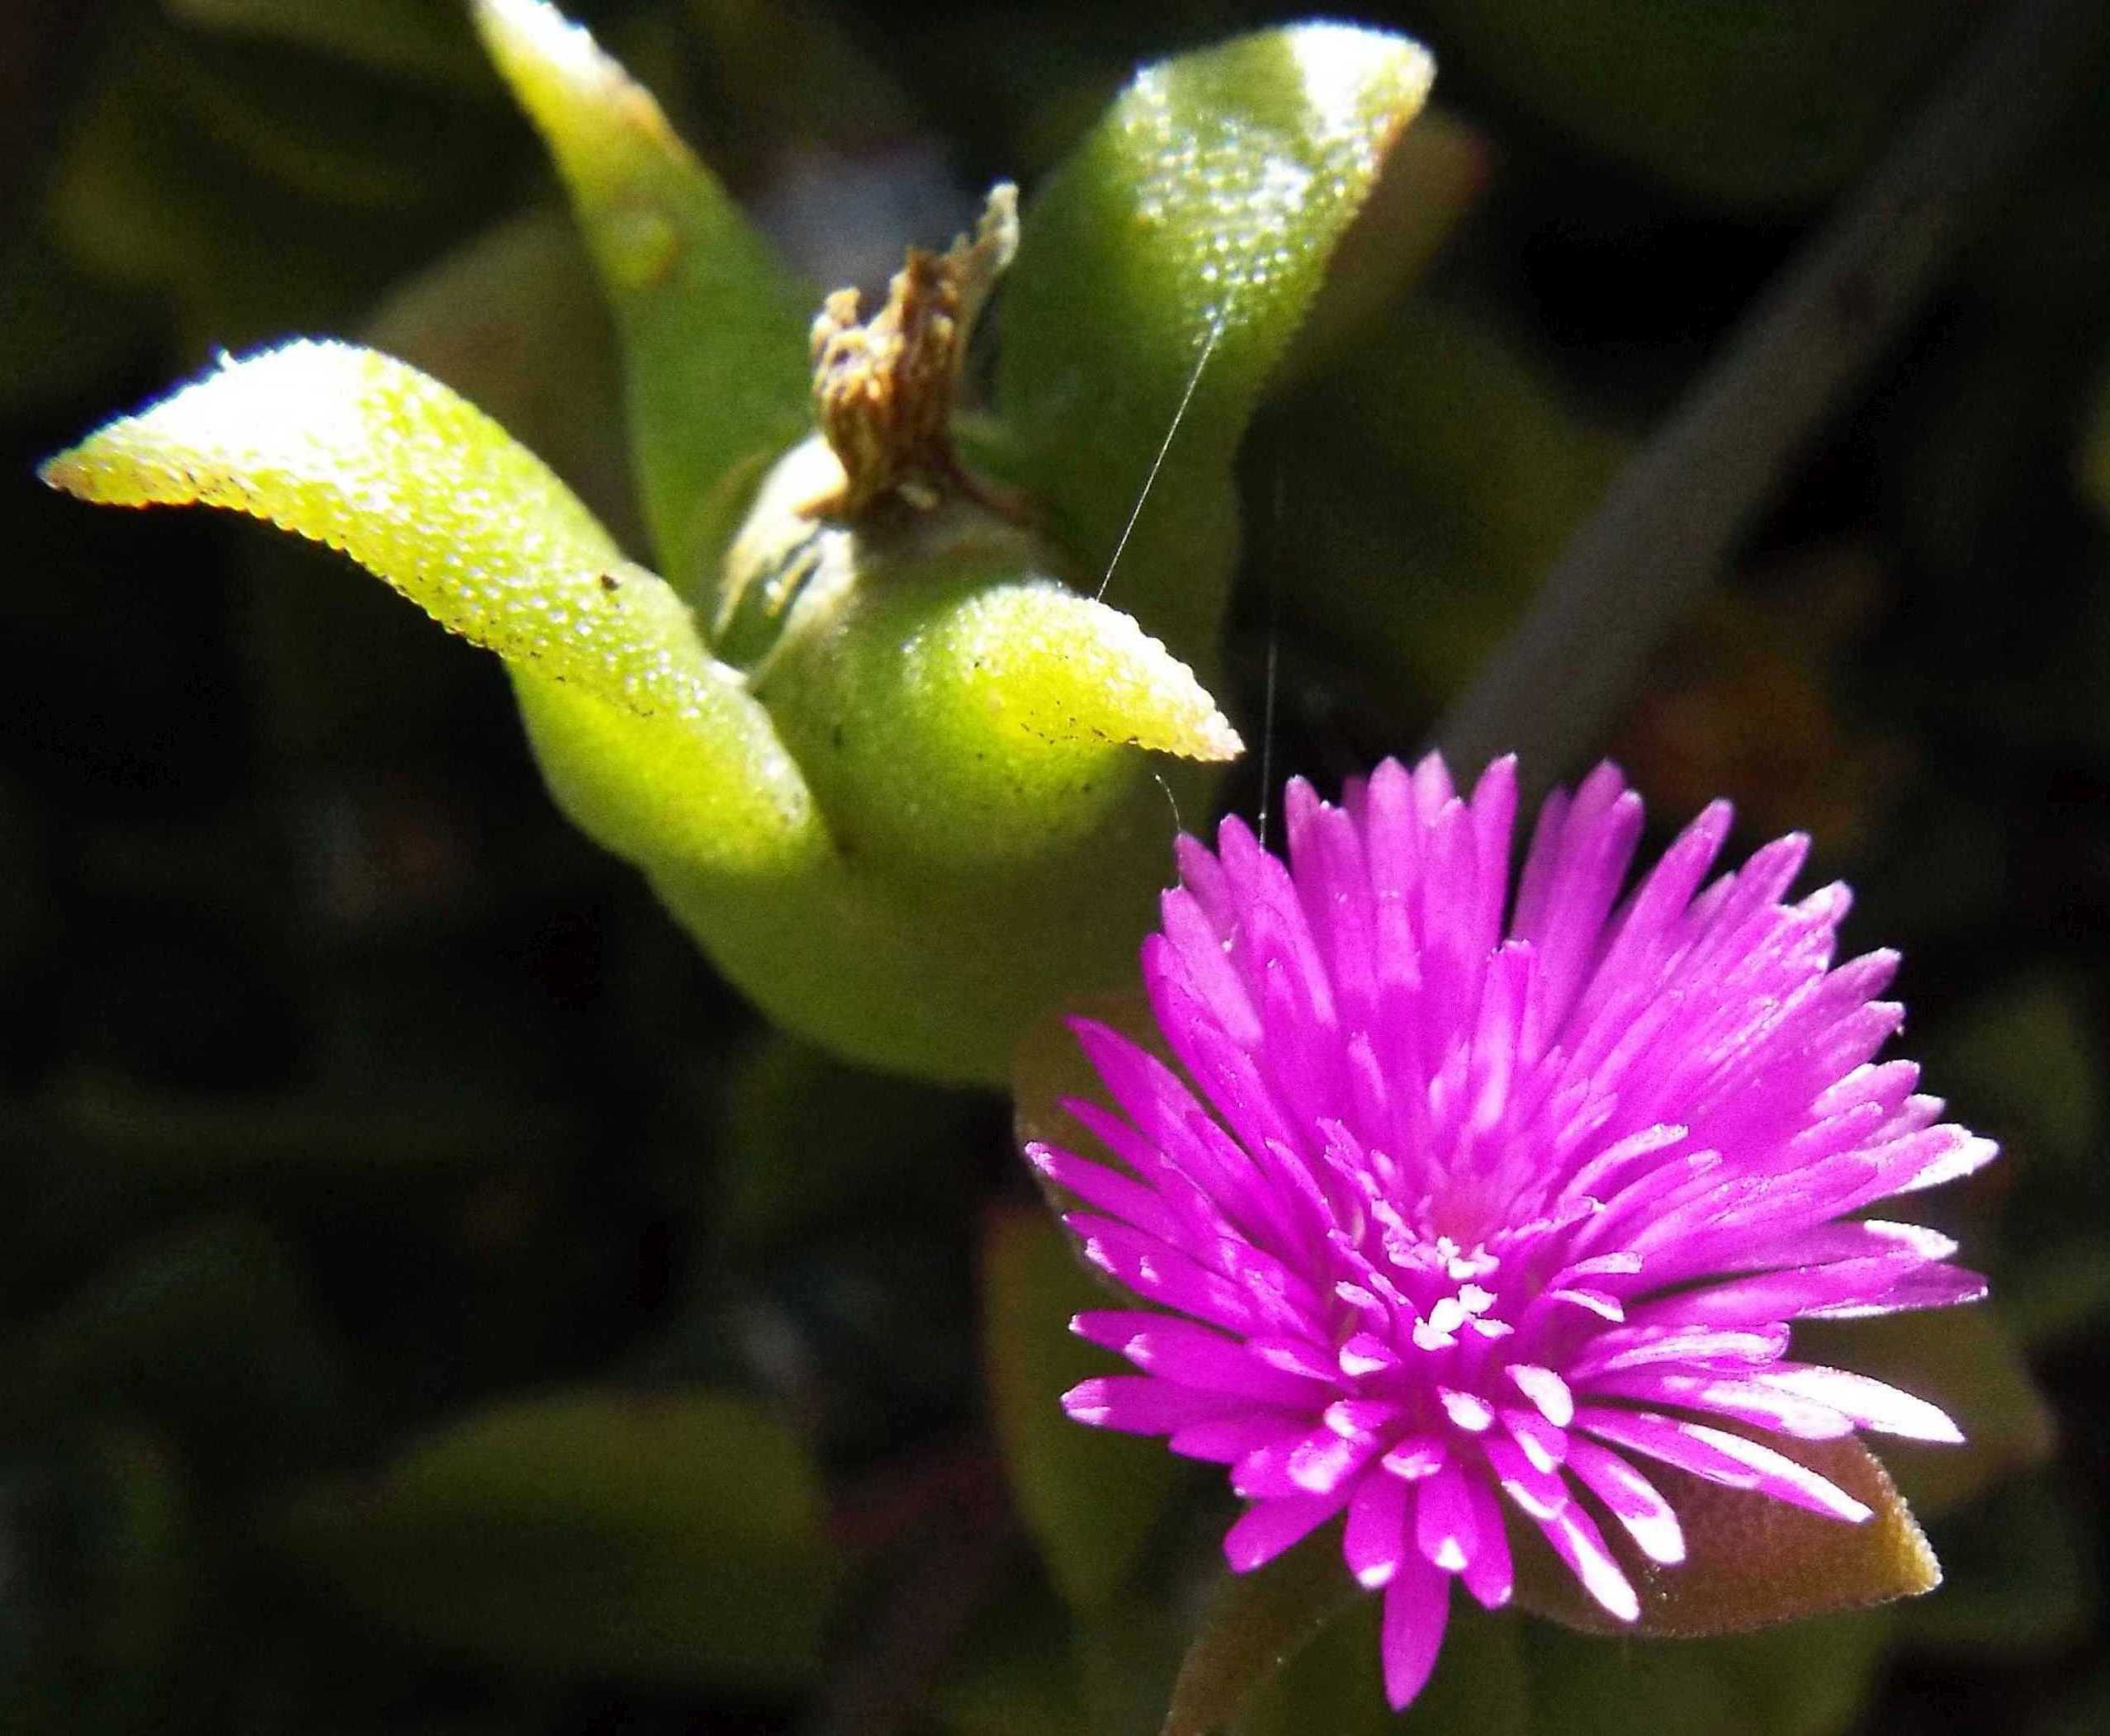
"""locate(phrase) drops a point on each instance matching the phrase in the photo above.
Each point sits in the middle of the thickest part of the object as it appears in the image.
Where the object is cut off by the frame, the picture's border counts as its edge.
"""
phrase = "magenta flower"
(1486, 1204)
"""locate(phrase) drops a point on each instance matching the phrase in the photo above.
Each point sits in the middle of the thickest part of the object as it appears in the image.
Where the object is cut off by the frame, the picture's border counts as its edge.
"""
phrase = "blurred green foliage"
(433, 1304)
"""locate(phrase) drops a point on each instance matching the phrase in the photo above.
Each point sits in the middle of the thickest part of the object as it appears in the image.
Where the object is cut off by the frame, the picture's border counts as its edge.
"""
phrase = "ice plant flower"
(1488, 1203)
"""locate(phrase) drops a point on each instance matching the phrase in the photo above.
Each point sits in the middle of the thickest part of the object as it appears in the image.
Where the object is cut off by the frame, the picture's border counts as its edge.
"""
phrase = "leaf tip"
(590, 111)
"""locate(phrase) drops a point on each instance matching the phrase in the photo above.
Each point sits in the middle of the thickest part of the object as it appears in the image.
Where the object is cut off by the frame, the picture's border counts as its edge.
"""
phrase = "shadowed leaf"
(1048, 1065)
(1254, 1624)
(1091, 1499)
(671, 1538)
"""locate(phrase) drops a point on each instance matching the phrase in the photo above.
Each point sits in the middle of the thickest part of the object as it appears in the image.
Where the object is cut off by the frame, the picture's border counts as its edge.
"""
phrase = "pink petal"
(1639, 1346)
(1139, 1404)
(1723, 1458)
(1631, 1499)
(1784, 1295)
(1745, 1400)
(1546, 1390)
(1577, 1541)
(1961, 1152)
(1269, 1470)
(1540, 1493)
(1488, 1575)
(1375, 1540)
(1158, 1272)
(1469, 1411)
(1192, 1355)
(1543, 1444)
(1266, 1528)
(1869, 1403)
(1415, 1458)
(1417, 1607)
(1227, 1439)
(1118, 1195)
(1328, 1460)
(1930, 1287)
(1447, 1527)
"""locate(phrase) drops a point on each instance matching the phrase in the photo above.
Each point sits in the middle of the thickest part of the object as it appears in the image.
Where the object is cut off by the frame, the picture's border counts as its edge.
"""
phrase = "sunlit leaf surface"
(1161, 277)
(349, 447)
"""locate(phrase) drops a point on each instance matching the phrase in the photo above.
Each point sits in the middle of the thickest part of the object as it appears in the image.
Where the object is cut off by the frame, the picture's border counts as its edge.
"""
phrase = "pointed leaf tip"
(596, 118)
(1048, 664)
(352, 448)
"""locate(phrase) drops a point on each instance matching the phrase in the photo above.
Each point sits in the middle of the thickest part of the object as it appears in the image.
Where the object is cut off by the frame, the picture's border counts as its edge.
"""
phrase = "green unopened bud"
(951, 700)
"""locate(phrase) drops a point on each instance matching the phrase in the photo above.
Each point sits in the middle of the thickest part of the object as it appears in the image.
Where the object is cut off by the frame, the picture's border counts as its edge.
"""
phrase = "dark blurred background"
(346, 1092)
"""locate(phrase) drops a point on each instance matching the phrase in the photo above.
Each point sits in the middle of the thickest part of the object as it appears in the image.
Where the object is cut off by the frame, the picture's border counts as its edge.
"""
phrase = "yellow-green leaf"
(967, 719)
(349, 447)
(1037, 663)
(714, 325)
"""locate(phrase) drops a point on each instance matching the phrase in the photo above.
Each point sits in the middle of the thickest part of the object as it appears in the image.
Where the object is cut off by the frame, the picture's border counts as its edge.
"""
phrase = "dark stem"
(1675, 516)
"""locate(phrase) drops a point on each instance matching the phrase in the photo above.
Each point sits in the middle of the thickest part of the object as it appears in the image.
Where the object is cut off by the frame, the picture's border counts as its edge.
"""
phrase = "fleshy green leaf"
(1091, 1499)
(1032, 663)
(1254, 1624)
(1177, 251)
(207, 1320)
(1750, 1560)
(803, 1139)
(668, 1537)
(106, 1575)
(2026, 1053)
(961, 719)
(714, 325)
(348, 447)
(2024, 1580)
(1810, 1678)
(2093, 461)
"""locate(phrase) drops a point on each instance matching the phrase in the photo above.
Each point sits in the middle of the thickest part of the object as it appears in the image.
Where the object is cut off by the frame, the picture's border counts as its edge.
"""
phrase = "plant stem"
(1676, 515)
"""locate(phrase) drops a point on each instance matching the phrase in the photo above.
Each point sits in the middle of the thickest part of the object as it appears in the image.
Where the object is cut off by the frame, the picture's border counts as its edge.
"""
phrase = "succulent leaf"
(1160, 277)
(352, 448)
(713, 324)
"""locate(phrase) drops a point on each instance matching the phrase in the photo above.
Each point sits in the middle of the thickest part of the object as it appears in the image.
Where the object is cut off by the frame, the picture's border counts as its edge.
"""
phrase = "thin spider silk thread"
(1179, 415)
